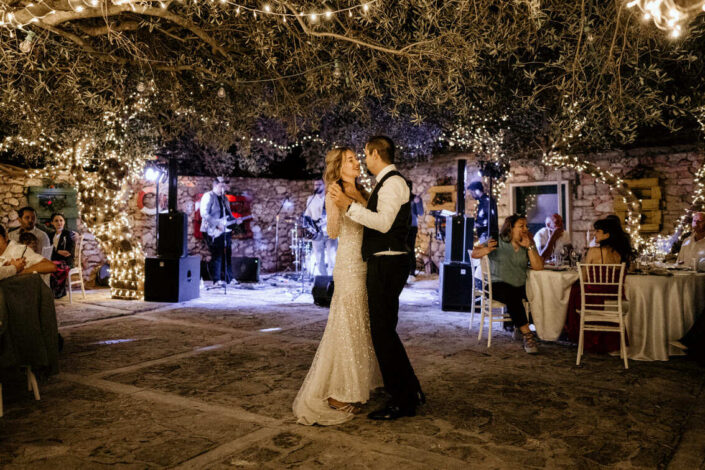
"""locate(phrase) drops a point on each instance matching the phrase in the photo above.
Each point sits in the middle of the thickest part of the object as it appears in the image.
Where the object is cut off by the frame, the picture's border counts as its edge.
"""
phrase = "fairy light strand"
(40, 10)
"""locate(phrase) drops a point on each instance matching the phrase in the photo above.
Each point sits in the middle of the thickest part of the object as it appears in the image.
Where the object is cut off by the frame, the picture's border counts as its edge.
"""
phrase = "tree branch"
(94, 31)
(359, 42)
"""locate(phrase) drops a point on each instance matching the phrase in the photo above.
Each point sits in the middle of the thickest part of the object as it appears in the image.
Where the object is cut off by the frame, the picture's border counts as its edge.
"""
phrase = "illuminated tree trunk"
(103, 196)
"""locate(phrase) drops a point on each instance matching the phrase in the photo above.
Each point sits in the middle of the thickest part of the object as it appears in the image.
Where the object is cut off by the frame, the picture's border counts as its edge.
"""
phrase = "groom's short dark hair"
(383, 145)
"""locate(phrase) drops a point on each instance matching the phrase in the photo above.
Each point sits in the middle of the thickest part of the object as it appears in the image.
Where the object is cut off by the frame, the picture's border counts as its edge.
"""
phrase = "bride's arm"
(333, 217)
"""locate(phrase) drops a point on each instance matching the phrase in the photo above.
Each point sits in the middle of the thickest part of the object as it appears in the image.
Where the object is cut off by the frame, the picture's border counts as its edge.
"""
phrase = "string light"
(668, 15)
(41, 10)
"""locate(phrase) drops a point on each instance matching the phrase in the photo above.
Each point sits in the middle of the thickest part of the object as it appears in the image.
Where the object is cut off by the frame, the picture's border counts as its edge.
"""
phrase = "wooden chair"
(475, 264)
(608, 313)
(493, 310)
(78, 270)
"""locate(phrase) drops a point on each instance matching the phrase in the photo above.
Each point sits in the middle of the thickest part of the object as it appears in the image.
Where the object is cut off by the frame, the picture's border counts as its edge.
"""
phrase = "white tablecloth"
(661, 308)
(548, 293)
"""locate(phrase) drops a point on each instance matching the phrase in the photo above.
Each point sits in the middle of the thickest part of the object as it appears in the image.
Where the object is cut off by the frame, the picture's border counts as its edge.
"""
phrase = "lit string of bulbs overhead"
(41, 10)
(668, 15)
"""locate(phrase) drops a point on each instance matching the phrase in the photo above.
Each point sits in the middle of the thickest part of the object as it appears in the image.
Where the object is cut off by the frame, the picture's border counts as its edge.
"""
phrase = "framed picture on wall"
(541, 200)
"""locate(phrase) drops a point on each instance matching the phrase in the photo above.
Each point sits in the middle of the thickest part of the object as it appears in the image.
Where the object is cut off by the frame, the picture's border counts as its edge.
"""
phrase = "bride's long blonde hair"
(334, 163)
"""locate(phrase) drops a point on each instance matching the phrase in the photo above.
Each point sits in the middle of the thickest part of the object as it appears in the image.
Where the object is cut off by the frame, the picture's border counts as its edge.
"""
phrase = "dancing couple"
(360, 349)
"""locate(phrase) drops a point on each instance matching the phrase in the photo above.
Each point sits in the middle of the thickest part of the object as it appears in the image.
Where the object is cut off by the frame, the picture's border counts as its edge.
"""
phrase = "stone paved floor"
(209, 384)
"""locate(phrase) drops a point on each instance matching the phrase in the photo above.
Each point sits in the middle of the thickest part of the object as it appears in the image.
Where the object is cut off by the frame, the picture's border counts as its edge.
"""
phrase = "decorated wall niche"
(52, 198)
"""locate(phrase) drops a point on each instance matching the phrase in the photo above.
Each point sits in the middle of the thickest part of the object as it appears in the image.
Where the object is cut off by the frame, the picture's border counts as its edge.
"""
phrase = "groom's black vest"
(374, 241)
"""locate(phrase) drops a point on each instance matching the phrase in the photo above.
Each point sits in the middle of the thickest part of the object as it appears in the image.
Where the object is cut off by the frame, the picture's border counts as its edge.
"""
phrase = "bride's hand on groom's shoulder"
(339, 198)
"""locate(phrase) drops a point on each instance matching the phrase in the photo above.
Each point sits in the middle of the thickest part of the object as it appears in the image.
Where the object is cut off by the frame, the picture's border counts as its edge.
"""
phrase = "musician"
(216, 217)
(324, 248)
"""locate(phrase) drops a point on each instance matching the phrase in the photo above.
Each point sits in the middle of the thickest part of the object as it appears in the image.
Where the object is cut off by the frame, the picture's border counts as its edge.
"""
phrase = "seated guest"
(510, 257)
(612, 245)
(552, 238)
(11, 252)
(28, 223)
(28, 239)
(693, 248)
(61, 240)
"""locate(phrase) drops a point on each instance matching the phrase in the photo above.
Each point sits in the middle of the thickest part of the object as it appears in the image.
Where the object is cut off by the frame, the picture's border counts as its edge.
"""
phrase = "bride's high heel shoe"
(345, 407)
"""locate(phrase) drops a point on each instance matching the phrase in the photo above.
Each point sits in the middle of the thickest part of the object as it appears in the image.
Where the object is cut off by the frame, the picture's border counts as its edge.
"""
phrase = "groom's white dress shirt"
(391, 196)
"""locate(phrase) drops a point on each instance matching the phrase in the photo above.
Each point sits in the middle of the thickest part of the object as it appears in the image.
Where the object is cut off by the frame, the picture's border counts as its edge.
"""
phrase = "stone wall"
(268, 196)
(590, 200)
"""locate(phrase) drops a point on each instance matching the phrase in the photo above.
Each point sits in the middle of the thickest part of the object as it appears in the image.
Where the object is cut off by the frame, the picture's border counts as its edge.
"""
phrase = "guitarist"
(216, 217)
(324, 248)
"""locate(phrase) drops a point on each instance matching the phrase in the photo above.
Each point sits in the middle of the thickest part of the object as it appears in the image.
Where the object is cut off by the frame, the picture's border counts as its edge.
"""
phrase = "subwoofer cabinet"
(455, 287)
(172, 279)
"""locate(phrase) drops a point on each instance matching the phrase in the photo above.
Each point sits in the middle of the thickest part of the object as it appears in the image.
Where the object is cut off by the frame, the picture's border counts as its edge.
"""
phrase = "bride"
(345, 368)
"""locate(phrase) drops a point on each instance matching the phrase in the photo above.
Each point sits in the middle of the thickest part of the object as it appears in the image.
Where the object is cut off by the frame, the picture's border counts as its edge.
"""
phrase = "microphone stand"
(276, 235)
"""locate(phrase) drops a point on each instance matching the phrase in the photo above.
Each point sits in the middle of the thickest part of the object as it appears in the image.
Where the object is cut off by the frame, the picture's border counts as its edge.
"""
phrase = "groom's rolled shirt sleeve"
(392, 195)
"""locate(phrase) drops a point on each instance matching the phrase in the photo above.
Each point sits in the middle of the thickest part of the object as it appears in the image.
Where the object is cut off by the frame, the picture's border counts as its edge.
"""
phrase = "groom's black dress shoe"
(391, 412)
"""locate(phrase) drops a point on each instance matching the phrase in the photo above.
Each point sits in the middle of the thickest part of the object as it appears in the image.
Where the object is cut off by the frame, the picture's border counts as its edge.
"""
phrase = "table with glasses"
(662, 308)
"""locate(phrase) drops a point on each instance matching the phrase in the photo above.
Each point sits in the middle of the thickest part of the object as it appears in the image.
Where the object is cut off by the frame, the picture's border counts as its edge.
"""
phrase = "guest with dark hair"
(61, 240)
(612, 244)
(28, 223)
(62, 254)
(28, 239)
(510, 258)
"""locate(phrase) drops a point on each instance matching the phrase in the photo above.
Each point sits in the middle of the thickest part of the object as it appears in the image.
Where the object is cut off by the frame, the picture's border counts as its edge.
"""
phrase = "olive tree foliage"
(411, 68)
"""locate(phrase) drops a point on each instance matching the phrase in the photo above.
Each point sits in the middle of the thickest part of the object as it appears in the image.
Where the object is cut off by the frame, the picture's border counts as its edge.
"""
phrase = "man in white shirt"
(386, 221)
(693, 248)
(28, 223)
(552, 238)
(324, 248)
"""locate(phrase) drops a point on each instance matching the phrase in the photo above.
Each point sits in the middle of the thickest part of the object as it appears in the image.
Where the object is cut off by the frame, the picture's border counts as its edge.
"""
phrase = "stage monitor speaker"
(102, 277)
(456, 287)
(172, 279)
(322, 290)
(459, 238)
(245, 269)
(173, 230)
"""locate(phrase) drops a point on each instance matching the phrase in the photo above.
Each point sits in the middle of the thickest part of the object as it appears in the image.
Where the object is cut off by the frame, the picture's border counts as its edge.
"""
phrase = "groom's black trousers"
(386, 276)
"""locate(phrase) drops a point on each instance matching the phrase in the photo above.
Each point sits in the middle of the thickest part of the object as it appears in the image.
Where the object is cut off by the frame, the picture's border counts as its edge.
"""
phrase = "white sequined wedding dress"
(345, 366)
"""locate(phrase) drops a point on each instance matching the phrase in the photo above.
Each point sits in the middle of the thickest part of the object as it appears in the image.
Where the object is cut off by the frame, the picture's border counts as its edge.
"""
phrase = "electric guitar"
(315, 228)
(226, 222)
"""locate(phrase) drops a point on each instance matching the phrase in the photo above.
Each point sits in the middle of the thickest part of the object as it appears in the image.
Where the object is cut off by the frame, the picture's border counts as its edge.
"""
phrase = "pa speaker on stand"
(172, 276)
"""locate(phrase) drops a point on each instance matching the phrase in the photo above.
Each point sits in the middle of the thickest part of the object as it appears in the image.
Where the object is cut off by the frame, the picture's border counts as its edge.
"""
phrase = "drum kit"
(301, 246)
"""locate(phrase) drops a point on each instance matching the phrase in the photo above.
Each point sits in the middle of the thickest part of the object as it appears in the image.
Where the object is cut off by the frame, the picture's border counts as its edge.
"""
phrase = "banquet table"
(661, 308)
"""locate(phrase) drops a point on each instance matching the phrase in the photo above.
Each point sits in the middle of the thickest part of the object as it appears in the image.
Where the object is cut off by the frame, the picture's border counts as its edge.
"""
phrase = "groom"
(386, 221)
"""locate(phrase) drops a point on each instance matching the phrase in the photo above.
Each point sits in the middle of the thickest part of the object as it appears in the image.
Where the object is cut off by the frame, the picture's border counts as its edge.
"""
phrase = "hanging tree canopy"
(218, 71)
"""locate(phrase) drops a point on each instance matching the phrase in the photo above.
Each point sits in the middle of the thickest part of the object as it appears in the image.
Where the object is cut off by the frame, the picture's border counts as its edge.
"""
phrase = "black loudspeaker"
(172, 279)
(322, 290)
(245, 269)
(459, 238)
(102, 277)
(456, 287)
(173, 229)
